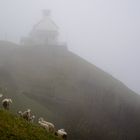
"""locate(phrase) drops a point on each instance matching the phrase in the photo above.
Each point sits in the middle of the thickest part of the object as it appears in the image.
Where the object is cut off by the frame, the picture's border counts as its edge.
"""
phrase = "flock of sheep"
(49, 127)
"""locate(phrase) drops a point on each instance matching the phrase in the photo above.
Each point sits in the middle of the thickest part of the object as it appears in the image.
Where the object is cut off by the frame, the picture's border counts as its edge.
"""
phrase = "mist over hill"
(69, 91)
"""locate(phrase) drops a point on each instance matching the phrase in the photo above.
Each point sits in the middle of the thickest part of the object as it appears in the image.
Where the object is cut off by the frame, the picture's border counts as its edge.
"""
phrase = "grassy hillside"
(71, 93)
(15, 128)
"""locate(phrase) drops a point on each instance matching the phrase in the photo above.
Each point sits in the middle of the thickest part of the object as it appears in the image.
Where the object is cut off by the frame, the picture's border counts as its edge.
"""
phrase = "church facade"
(45, 32)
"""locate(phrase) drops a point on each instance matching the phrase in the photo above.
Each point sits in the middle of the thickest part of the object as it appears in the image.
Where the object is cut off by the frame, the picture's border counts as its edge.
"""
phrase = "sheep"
(44, 125)
(51, 126)
(26, 114)
(61, 134)
(31, 119)
(6, 103)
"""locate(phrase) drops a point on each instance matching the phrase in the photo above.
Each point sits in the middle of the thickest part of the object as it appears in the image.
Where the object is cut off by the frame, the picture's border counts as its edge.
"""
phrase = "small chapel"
(45, 32)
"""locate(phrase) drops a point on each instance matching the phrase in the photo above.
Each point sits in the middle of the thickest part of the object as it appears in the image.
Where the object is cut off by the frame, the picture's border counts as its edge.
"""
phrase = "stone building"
(45, 32)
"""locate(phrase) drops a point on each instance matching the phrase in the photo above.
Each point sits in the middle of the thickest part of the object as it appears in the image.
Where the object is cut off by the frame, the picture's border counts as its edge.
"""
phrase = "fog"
(104, 32)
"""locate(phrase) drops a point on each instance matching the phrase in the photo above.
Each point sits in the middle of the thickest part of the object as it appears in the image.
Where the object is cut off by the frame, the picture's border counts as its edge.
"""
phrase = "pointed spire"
(46, 12)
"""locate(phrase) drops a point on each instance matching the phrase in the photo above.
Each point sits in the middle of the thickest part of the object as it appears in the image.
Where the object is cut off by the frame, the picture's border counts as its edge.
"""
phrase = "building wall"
(44, 37)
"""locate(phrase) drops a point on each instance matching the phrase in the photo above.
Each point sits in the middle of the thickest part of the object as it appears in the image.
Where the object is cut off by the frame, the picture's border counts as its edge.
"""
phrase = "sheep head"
(29, 110)
(62, 130)
(33, 117)
(10, 101)
(41, 119)
(20, 113)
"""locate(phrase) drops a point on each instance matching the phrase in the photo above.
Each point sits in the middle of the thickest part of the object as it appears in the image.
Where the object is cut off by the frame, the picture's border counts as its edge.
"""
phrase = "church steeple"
(46, 12)
(45, 32)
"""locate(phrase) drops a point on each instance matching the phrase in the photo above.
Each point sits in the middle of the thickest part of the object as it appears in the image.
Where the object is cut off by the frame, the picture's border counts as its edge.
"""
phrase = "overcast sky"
(104, 32)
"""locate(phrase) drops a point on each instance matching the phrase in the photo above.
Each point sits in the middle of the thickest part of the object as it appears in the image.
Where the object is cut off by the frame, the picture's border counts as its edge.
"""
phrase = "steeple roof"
(46, 24)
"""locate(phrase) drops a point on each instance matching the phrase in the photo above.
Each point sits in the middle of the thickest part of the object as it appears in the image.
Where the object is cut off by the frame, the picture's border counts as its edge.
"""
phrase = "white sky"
(105, 32)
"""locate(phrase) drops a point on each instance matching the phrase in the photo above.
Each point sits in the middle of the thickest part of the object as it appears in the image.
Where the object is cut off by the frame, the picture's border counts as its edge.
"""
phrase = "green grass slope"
(16, 128)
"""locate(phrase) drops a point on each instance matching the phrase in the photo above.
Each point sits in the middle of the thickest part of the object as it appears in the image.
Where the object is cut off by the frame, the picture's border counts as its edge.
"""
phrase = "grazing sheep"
(6, 103)
(51, 126)
(61, 133)
(44, 125)
(31, 119)
(26, 114)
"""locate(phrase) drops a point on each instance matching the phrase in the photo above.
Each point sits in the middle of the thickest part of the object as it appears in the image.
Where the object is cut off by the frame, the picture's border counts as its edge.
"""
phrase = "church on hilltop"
(45, 32)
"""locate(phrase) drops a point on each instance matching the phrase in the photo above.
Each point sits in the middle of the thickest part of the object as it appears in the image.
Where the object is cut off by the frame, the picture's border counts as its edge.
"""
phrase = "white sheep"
(44, 125)
(51, 126)
(61, 134)
(26, 114)
(6, 103)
